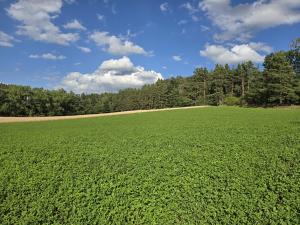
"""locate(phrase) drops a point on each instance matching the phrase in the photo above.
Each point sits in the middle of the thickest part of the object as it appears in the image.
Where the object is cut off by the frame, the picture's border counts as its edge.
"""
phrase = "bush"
(231, 100)
(200, 101)
(184, 101)
(215, 99)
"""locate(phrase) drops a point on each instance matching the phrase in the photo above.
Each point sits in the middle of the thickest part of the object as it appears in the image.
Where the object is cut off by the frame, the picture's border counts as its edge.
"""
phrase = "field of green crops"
(217, 165)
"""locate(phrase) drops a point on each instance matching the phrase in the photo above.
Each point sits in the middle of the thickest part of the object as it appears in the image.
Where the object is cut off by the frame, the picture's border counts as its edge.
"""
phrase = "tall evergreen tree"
(201, 76)
(294, 56)
(279, 79)
(217, 85)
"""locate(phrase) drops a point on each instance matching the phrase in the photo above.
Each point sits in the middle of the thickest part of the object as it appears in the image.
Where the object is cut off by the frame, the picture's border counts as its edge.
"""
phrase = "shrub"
(231, 100)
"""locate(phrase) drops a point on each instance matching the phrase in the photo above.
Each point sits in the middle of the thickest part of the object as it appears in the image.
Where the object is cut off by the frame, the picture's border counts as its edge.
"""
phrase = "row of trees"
(245, 84)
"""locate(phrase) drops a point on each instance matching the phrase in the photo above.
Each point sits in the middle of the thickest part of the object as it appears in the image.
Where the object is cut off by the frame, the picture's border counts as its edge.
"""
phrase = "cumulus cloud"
(75, 24)
(36, 21)
(176, 58)
(243, 20)
(259, 46)
(116, 45)
(237, 54)
(6, 40)
(111, 76)
(84, 49)
(49, 56)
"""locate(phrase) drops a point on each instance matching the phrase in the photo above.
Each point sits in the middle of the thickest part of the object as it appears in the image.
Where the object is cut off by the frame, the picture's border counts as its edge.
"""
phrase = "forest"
(277, 84)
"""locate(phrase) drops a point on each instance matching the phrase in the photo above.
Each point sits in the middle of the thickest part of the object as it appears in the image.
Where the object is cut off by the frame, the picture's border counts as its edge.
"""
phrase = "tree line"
(245, 84)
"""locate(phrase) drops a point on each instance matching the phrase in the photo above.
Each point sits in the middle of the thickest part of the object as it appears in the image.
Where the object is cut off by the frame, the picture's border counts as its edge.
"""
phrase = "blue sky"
(107, 45)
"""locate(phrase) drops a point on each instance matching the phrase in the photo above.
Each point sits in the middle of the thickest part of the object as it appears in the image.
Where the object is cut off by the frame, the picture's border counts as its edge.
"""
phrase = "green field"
(217, 165)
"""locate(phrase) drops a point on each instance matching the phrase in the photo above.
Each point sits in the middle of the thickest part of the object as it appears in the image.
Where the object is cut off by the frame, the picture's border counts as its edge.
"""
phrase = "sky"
(107, 45)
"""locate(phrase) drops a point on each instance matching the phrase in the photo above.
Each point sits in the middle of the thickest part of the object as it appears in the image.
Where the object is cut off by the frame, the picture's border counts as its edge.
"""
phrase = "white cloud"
(195, 18)
(116, 45)
(164, 7)
(259, 46)
(243, 20)
(176, 58)
(122, 65)
(190, 8)
(75, 24)
(237, 54)
(204, 28)
(36, 21)
(182, 22)
(49, 56)
(111, 76)
(100, 17)
(84, 49)
(6, 40)
(129, 34)
(113, 10)
(70, 2)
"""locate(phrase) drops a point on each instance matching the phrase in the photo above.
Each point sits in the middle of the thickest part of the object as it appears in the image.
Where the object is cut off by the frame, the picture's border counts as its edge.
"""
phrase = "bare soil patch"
(46, 118)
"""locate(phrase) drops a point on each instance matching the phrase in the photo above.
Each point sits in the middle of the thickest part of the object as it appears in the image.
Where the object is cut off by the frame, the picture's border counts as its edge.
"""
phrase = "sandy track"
(45, 118)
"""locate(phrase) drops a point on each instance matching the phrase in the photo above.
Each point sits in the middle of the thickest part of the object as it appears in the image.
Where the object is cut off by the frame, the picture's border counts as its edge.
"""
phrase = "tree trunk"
(243, 86)
(204, 91)
(248, 86)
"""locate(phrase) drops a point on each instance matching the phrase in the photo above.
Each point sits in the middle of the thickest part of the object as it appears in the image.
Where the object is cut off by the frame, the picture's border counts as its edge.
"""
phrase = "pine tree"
(279, 79)
(201, 76)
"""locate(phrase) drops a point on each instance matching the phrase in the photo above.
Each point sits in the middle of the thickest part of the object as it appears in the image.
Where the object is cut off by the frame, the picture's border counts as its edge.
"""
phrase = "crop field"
(217, 165)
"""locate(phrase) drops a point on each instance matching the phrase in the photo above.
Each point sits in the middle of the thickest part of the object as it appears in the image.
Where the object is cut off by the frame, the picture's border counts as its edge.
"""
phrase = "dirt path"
(45, 118)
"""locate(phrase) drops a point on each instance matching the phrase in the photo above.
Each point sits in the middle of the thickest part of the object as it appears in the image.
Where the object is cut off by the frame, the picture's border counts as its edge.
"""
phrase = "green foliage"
(232, 101)
(278, 84)
(293, 56)
(278, 80)
(200, 166)
(214, 99)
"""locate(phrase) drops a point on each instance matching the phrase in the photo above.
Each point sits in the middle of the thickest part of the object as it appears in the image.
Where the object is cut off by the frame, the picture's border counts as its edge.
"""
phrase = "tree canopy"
(277, 84)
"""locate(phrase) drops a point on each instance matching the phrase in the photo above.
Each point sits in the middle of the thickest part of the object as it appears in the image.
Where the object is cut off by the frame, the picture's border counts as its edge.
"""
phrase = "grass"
(221, 165)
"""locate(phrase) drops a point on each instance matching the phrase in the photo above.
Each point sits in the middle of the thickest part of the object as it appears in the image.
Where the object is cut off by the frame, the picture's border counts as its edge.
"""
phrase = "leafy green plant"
(232, 101)
(218, 165)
